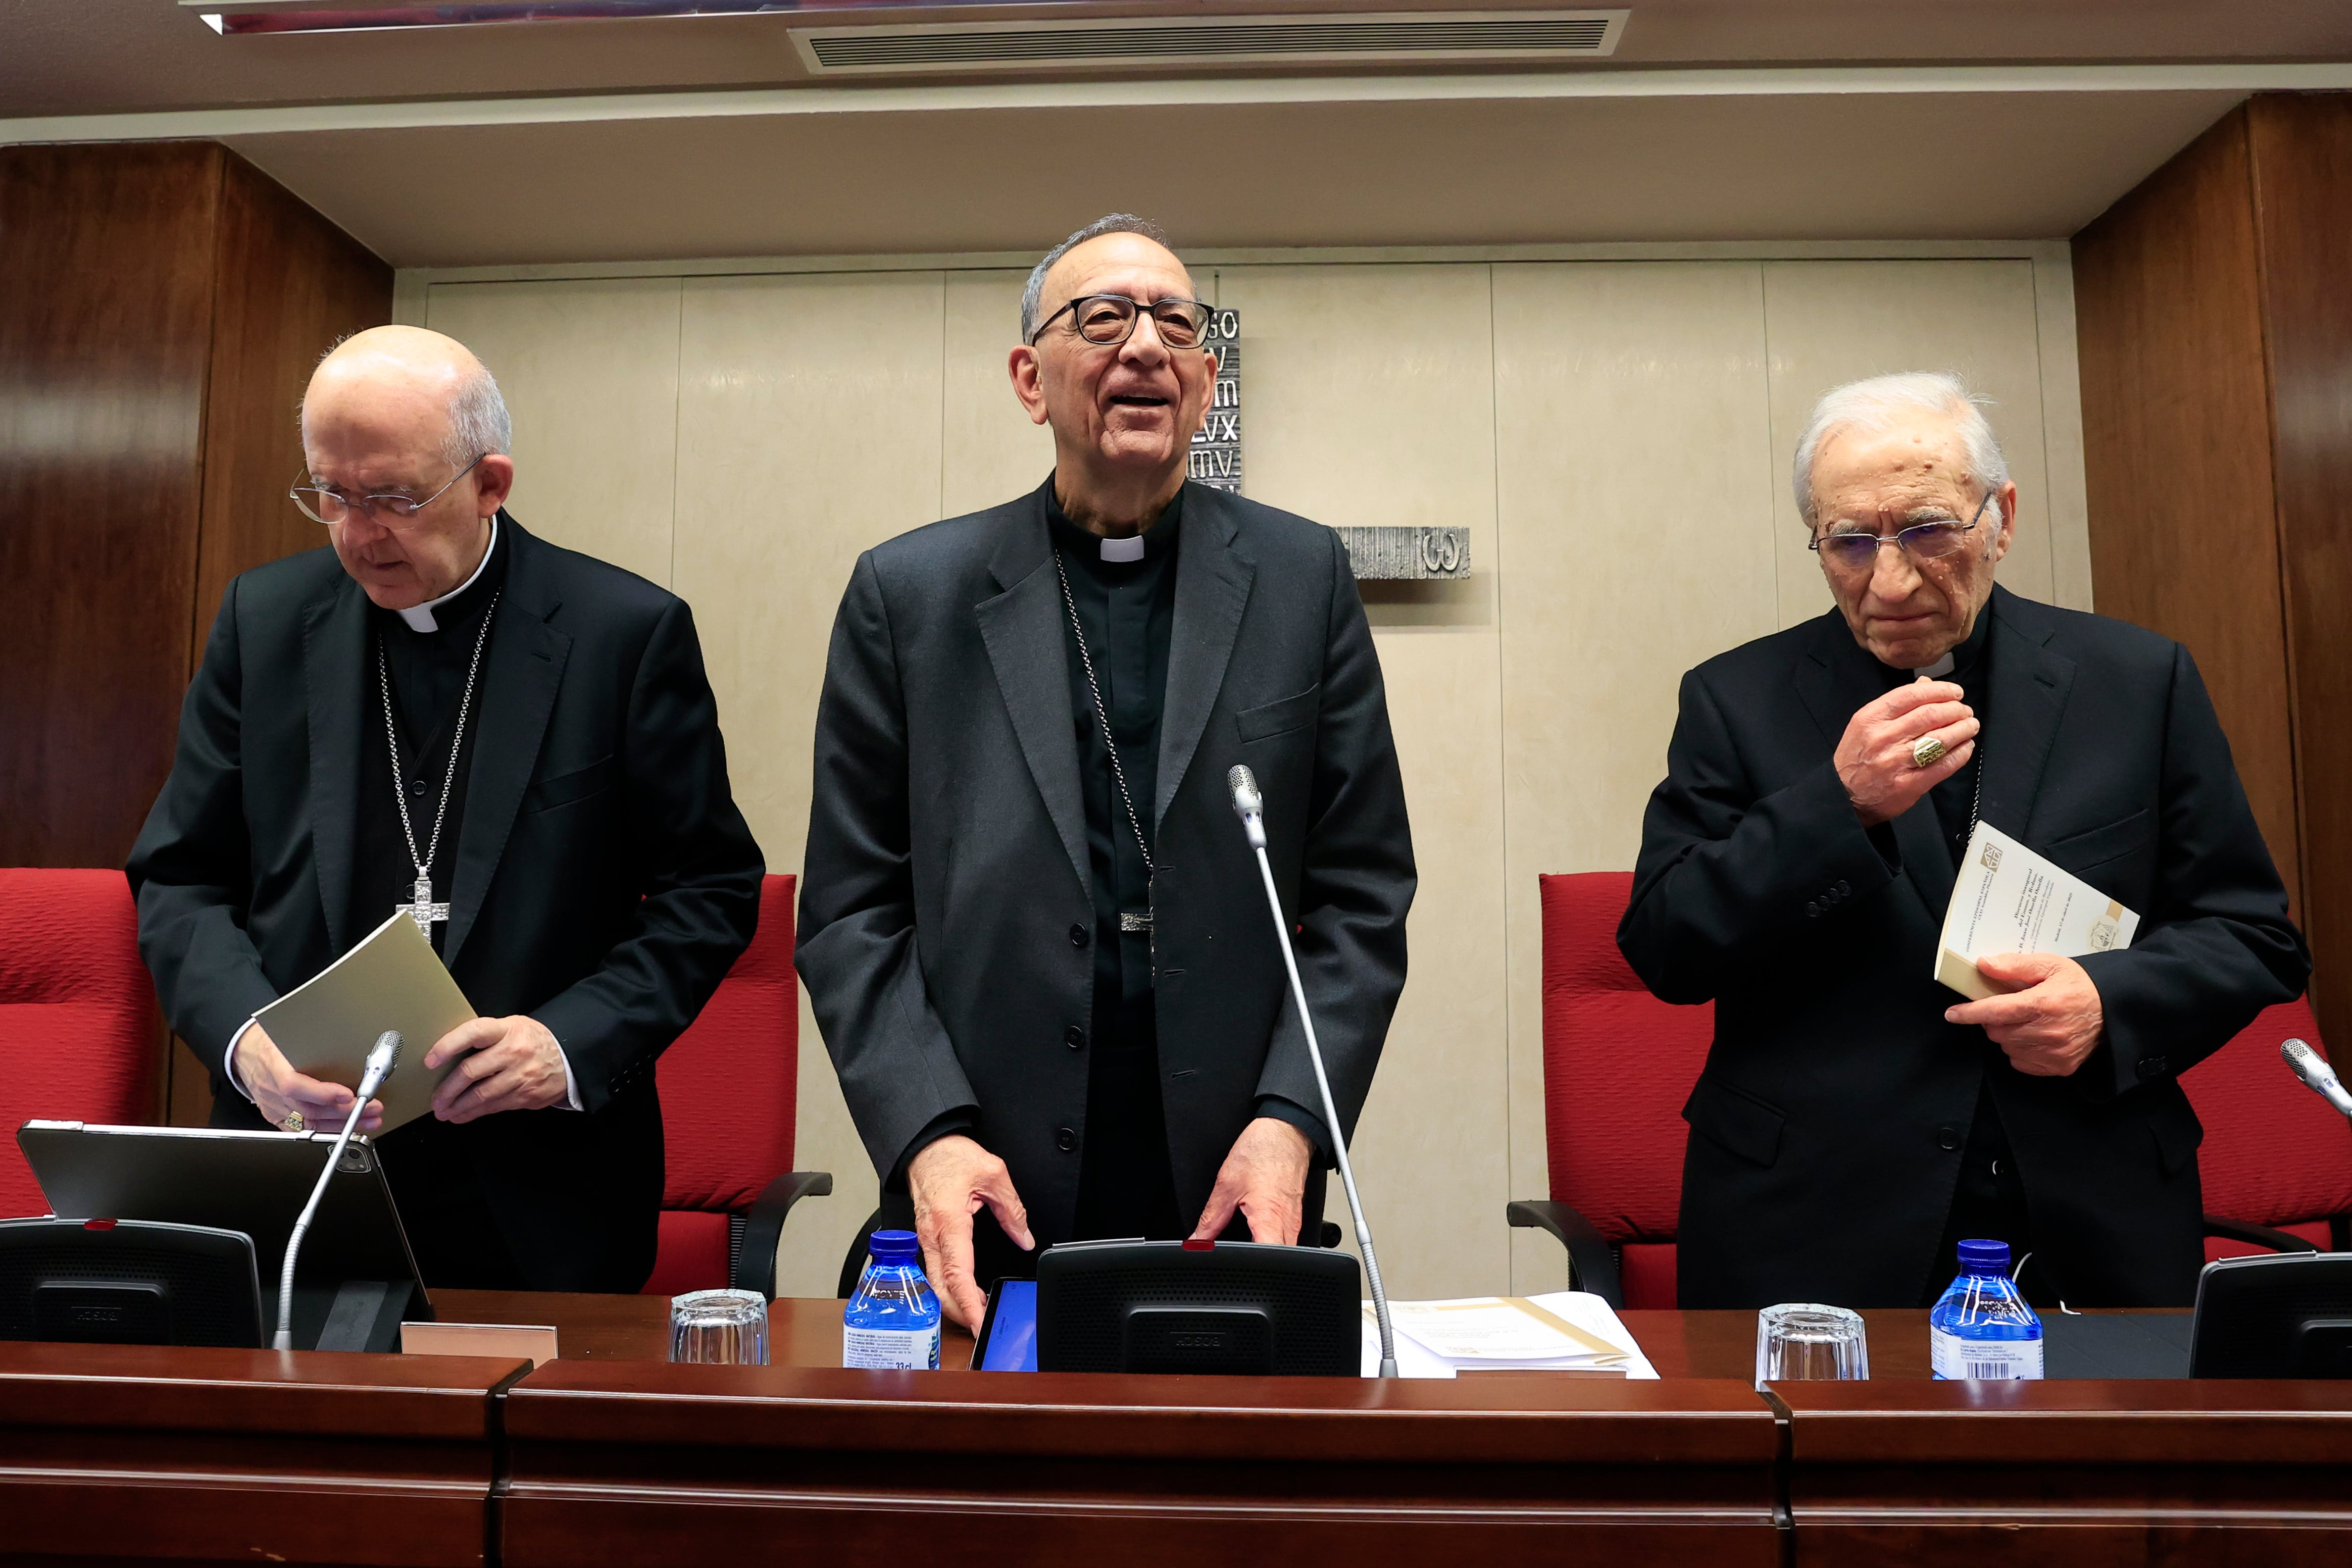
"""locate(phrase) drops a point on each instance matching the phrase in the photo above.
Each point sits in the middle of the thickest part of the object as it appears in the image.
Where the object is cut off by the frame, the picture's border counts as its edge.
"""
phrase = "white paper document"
(392, 979)
(2007, 899)
(1567, 1330)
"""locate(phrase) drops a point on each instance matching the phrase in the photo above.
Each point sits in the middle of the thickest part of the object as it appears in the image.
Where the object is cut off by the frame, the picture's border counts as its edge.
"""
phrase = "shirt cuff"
(1282, 1109)
(570, 1081)
(228, 1058)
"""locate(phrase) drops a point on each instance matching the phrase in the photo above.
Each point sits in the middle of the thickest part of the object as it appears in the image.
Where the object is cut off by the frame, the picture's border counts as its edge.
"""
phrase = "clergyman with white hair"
(514, 745)
(1856, 1120)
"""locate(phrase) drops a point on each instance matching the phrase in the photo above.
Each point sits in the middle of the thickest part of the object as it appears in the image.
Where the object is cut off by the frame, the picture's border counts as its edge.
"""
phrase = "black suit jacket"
(945, 910)
(604, 881)
(1827, 1125)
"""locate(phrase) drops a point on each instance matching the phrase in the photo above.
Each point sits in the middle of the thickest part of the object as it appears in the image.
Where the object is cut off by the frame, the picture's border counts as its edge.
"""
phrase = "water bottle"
(1982, 1327)
(893, 1321)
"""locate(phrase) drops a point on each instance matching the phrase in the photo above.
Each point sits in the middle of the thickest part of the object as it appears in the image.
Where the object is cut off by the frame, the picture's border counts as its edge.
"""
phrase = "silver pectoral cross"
(423, 910)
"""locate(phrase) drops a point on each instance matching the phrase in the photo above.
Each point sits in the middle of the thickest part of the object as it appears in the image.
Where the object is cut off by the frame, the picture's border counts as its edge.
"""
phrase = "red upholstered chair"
(77, 1029)
(1617, 1064)
(729, 1087)
(2277, 1159)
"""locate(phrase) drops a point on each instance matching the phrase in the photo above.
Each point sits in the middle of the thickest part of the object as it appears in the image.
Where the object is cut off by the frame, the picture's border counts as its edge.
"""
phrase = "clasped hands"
(1264, 1179)
(503, 1064)
(2050, 1019)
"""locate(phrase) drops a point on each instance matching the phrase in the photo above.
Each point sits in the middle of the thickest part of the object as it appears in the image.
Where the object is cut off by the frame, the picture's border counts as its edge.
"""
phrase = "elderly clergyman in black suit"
(1856, 1120)
(514, 743)
(1031, 930)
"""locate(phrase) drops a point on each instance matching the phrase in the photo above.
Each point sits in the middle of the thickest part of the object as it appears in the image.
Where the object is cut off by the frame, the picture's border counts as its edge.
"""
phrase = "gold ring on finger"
(293, 1123)
(1927, 751)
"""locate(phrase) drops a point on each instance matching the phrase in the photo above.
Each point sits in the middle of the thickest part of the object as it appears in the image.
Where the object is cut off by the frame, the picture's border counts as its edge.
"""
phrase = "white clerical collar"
(421, 617)
(1936, 671)
(1124, 550)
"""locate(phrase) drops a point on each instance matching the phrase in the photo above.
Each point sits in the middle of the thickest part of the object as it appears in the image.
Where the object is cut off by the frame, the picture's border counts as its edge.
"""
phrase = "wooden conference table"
(611, 1456)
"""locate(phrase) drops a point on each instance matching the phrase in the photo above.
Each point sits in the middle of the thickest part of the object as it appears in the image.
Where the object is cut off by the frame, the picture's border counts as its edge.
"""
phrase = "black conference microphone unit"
(379, 1067)
(1250, 807)
(2316, 1075)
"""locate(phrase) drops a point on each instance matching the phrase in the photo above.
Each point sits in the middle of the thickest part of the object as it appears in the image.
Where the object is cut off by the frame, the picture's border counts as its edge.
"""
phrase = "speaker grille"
(1220, 40)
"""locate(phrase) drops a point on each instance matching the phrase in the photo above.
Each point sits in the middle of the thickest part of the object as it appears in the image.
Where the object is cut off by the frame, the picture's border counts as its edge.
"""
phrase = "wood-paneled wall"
(2215, 311)
(163, 306)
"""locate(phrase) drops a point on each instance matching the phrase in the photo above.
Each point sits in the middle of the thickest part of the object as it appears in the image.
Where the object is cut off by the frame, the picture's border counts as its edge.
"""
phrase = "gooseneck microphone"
(379, 1067)
(2316, 1075)
(1250, 807)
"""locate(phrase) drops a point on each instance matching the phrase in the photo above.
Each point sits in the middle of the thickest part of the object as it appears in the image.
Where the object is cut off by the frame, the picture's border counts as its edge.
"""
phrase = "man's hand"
(1873, 757)
(279, 1090)
(503, 1064)
(2048, 1026)
(949, 1181)
(1265, 1176)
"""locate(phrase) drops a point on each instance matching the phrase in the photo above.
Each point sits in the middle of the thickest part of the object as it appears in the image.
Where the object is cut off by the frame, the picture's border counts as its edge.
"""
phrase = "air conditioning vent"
(1471, 36)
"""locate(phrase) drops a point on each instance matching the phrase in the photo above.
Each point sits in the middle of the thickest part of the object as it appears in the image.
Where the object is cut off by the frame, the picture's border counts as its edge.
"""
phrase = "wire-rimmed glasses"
(1856, 548)
(1109, 320)
(322, 504)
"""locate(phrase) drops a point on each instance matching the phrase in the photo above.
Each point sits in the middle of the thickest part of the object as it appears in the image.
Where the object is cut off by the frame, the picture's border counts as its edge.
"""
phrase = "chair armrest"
(763, 1226)
(2257, 1235)
(1590, 1265)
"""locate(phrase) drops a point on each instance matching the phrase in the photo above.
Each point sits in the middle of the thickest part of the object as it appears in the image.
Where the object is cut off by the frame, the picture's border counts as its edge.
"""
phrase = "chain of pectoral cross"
(420, 906)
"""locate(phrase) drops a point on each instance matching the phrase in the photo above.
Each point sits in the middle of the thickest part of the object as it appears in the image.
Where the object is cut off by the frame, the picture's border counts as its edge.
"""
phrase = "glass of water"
(728, 1328)
(1806, 1340)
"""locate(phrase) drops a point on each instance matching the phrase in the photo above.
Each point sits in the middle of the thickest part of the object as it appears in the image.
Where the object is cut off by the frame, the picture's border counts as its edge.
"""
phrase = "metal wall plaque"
(1406, 553)
(1216, 457)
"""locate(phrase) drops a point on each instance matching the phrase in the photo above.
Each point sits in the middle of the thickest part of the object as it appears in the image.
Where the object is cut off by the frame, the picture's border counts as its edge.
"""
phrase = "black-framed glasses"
(322, 504)
(1856, 550)
(1109, 320)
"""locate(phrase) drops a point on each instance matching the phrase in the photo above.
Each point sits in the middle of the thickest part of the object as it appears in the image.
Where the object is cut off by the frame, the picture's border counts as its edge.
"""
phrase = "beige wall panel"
(989, 451)
(1344, 424)
(1835, 322)
(2068, 503)
(589, 368)
(808, 413)
(1633, 462)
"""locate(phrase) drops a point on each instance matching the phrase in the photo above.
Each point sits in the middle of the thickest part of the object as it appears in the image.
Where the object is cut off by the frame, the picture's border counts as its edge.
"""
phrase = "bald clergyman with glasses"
(1856, 1120)
(1031, 927)
(442, 716)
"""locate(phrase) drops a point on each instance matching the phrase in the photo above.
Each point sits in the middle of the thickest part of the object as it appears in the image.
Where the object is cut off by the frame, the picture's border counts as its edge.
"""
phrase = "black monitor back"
(124, 1283)
(2283, 1316)
(1174, 1307)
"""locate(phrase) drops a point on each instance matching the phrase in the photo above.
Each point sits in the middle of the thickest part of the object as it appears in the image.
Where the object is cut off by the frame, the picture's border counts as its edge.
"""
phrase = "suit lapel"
(1022, 628)
(1212, 586)
(335, 656)
(1834, 679)
(521, 675)
(2029, 686)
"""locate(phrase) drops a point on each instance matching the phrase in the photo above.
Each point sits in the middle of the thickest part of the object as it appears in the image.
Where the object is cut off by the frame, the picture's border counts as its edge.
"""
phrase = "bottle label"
(897, 1350)
(1952, 1358)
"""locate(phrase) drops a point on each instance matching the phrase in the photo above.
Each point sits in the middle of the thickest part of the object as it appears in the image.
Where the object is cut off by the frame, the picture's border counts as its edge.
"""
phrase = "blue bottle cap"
(900, 1247)
(1984, 1256)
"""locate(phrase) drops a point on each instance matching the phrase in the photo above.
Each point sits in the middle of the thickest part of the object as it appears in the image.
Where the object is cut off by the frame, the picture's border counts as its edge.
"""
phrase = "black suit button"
(1075, 1038)
(1949, 1138)
(1077, 936)
(1813, 911)
(1845, 890)
(2152, 1066)
(416, 786)
(1064, 1139)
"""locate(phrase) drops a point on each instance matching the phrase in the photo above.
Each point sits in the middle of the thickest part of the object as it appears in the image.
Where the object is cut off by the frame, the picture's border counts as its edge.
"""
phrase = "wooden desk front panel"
(622, 1465)
(2079, 1473)
(122, 1452)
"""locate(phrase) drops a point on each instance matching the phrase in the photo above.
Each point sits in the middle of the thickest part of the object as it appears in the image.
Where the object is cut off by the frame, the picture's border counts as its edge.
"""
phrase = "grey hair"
(479, 421)
(1873, 405)
(1034, 295)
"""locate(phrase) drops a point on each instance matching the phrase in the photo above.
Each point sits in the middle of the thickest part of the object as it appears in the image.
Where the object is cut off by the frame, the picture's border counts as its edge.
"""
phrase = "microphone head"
(387, 1048)
(1244, 784)
(2307, 1064)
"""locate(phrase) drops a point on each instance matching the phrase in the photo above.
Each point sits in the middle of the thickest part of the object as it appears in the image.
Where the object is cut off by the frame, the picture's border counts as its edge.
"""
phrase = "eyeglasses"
(1106, 320)
(322, 504)
(1857, 551)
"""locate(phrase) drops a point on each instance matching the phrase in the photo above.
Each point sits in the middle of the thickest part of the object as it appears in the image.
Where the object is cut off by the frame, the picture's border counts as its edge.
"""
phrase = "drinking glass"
(726, 1327)
(1806, 1340)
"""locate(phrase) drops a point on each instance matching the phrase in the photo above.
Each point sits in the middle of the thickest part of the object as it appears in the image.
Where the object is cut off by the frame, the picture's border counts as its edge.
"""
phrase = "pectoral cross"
(423, 910)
